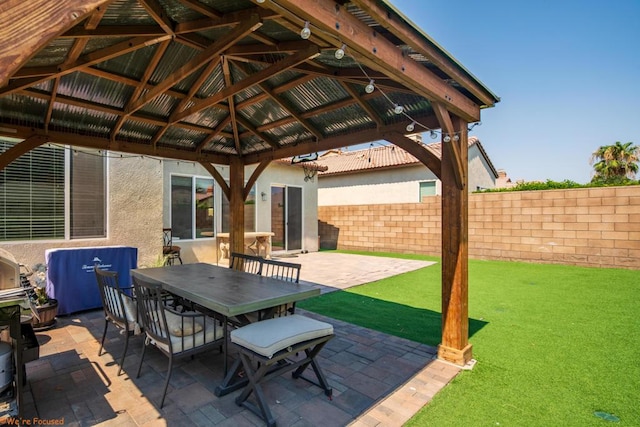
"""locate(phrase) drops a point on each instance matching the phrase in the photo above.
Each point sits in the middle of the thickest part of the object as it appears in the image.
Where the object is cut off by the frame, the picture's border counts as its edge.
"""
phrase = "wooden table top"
(224, 290)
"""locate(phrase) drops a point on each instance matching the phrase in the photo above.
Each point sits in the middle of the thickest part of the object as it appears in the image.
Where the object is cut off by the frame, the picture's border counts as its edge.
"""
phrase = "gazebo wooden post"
(455, 346)
(236, 205)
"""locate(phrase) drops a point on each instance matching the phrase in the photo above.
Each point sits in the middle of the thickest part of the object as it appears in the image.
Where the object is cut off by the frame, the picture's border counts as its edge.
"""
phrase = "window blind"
(32, 195)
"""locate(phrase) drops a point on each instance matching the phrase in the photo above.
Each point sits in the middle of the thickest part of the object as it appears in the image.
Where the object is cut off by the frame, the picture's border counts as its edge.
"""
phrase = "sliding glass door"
(286, 218)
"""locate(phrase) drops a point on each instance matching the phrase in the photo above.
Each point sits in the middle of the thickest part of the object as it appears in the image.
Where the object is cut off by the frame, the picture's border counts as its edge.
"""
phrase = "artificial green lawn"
(555, 344)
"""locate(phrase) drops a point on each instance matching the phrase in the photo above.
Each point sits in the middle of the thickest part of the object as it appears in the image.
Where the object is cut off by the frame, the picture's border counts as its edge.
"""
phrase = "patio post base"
(454, 355)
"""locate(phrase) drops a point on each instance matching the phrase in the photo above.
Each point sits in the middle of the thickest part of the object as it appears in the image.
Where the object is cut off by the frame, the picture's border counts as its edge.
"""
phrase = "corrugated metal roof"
(95, 90)
(133, 64)
(84, 86)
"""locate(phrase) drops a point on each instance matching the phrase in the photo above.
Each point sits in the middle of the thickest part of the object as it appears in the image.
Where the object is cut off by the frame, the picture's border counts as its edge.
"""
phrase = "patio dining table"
(228, 292)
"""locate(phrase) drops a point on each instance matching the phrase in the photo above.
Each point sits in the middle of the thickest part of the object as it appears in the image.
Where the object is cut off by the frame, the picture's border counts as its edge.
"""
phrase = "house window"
(427, 188)
(249, 212)
(32, 195)
(88, 195)
(191, 207)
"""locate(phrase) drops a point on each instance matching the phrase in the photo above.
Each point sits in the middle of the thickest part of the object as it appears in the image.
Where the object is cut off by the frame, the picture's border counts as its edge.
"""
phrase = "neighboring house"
(503, 180)
(389, 174)
(55, 197)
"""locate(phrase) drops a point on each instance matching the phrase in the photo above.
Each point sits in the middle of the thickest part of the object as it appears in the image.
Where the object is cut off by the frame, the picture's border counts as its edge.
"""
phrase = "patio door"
(286, 218)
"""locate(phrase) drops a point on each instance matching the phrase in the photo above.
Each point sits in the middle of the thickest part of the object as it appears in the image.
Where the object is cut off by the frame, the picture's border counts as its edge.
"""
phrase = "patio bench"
(269, 348)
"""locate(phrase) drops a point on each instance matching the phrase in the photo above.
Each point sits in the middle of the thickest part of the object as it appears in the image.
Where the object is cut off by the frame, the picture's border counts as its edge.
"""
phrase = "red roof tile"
(380, 157)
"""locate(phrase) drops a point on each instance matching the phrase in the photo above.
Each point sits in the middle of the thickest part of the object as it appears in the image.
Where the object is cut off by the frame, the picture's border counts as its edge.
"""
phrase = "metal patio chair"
(170, 252)
(287, 272)
(176, 334)
(247, 263)
(119, 307)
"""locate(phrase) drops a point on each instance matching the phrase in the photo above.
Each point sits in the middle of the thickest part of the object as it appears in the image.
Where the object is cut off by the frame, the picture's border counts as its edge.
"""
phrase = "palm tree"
(615, 161)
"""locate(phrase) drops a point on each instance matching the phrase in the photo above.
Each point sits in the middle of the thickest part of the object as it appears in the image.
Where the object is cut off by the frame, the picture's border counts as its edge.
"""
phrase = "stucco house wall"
(134, 214)
(277, 173)
(281, 173)
(398, 185)
(138, 208)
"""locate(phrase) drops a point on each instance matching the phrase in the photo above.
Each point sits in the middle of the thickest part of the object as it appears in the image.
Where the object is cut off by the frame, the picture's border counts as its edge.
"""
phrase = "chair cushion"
(178, 329)
(184, 343)
(268, 337)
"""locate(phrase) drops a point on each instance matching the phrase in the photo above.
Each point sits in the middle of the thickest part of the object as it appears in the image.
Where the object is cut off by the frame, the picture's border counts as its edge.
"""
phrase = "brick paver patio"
(377, 380)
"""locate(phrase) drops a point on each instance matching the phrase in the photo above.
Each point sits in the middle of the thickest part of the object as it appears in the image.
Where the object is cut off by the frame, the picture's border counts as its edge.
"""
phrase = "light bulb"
(398, 109)
(305, 33)
(411, 126)
(446, 138)
(340, 52)
(433, 134)
(260, 1)
(456, 138)
(370, 87)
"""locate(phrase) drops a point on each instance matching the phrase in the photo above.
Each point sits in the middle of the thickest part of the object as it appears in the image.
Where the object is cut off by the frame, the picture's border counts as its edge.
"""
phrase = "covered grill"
(17, 338)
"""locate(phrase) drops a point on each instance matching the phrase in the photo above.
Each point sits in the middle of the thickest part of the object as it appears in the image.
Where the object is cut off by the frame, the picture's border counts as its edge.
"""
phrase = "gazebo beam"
(455, 346)
(447, 131)
(218, 177)
(31, 24)
(362, 137)
(377, 52)
(284, 64)
(392, 21)
(18, 150)
(105, 143)
(418, 151)
(199, 60)
(236, 205)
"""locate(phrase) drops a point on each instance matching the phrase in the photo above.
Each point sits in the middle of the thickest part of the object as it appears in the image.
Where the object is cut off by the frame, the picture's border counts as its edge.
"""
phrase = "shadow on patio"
(375, 378)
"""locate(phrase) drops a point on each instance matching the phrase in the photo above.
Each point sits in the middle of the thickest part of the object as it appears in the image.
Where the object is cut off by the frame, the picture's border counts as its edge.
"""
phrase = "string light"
(370, 87)
(397, 108)
(305, 33)
(106, 154)
(260, 1)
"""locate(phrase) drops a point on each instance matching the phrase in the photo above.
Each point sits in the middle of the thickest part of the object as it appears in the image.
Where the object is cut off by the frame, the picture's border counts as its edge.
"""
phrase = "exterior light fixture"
(398, 109)
(446, 138)
(370, 87)
(305, 33)
(433, 134)
(411, 126)
(340, 52)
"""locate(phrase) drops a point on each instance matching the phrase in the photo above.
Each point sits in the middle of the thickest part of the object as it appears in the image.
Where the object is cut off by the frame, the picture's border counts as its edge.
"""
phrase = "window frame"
(193, 178)
(63, 197)
(432, 182)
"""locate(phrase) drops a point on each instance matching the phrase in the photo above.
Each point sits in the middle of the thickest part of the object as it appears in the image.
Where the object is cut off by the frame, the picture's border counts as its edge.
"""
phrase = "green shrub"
(561, 185)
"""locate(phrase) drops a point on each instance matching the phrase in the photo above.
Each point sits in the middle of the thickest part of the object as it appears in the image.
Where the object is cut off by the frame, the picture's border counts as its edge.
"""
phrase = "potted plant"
(46, 308)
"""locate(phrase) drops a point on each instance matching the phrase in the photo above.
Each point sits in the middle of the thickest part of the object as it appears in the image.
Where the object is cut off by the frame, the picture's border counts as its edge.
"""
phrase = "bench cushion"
(268, 337)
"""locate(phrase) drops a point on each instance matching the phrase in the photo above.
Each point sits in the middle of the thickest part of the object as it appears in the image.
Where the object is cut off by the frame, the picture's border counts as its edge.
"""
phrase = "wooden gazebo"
(239, 82)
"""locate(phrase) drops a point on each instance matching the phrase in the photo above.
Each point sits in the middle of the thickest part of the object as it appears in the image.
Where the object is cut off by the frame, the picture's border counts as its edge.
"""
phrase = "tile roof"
(380, 157)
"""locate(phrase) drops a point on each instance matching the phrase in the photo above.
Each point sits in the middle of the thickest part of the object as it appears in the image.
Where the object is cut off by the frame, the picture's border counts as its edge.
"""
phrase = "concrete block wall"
(598, 227)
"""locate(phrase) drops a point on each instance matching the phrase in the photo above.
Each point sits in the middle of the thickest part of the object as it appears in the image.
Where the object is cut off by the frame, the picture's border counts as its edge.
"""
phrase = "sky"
(567, 73)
